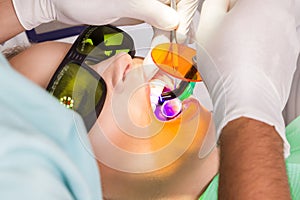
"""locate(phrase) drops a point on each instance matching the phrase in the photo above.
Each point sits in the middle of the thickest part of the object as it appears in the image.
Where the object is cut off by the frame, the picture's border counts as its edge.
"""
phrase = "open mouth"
(169, 109)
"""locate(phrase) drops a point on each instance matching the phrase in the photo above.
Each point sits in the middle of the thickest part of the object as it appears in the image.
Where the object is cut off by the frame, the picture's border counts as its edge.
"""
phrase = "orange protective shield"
(176, 60)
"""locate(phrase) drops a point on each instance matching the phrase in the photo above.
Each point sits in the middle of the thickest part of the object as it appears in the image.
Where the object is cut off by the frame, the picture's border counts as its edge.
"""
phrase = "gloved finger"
(146, 10)
(212, 13)
(186, 10)
(232, 3)
(126, 21)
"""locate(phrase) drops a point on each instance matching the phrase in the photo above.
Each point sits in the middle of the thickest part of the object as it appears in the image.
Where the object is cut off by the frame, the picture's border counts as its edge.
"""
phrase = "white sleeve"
(292, 108)
(44, 149)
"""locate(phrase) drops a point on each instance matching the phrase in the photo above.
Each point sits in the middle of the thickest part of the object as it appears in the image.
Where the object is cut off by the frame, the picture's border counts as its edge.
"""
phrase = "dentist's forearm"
(9, 23)
(252, 163)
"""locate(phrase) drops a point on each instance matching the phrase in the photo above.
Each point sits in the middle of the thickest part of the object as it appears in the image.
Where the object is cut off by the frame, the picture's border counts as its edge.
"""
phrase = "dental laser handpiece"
(184, 88)
(173, 34)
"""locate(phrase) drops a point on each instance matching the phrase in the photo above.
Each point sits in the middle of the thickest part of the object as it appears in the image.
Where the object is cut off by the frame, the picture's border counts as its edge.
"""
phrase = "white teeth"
(157, 84)
(156, 88)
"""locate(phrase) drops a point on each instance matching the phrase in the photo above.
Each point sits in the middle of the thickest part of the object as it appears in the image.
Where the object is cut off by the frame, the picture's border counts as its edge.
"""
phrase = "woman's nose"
(113, 69)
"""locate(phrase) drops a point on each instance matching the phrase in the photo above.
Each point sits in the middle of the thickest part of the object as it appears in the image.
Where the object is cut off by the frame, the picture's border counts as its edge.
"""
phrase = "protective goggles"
(76, 85)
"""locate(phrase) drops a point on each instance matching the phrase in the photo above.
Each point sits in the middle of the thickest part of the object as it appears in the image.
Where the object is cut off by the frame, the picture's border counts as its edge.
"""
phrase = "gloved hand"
(253, 50)
(32, 13)
(186, 10)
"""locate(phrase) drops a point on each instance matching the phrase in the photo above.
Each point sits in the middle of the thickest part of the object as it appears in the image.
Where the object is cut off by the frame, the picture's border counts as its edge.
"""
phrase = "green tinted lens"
(104, 41)
(79, 89)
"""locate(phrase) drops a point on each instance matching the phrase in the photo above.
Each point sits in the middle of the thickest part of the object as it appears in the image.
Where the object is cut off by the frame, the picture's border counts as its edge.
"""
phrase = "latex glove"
(254, 48)
(32, 13)
(186, 10)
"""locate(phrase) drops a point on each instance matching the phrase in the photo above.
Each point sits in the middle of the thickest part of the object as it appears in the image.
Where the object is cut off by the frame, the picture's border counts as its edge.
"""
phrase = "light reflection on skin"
(185, 178)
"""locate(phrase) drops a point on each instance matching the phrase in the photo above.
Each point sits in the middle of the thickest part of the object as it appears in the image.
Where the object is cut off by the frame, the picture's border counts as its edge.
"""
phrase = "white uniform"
(292, 108)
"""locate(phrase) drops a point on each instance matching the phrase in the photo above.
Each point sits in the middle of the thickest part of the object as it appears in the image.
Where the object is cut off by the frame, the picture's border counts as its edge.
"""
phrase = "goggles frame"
(80, 58)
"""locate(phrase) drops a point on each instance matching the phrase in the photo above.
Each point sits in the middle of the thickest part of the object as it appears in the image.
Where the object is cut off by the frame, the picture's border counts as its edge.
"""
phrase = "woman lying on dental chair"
(127, 140)
(183, 178)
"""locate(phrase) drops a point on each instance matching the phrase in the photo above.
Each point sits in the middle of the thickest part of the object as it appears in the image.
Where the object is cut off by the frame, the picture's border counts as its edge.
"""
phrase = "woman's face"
(131, 146)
